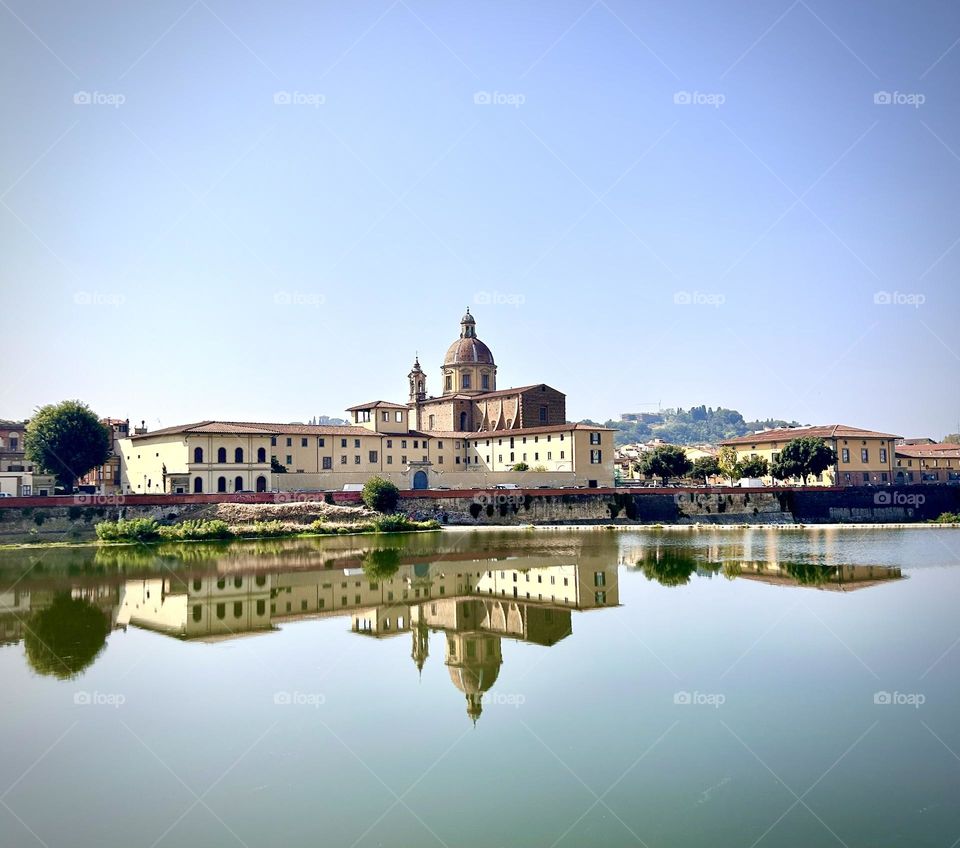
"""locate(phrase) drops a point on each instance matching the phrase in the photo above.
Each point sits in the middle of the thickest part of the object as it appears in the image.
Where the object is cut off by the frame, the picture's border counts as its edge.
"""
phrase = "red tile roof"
(829, 431)
(247, 428)
(937, 450)
(374, 404)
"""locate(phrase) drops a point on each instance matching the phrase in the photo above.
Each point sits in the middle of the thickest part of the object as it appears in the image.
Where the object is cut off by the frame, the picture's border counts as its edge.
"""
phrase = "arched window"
(238, 484)
(261, 483)
(238, 455)
(221, 484)
(221, 610)
(198, 454)
(237, 609)
(431, 423)
(463, 422)
(197, 612)
(261, 454)
(221, 454)
(197, 485)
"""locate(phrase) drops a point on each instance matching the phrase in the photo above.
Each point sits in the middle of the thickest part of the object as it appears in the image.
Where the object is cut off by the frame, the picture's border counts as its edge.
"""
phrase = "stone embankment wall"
(514, 507)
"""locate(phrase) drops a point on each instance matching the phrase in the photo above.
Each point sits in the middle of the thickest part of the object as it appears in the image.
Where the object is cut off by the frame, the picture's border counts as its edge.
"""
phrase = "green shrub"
(39, 518)
(392, 523)
(520, 466)
(128, 530)
(948, 518)
(74, 512)
(380, 494)
(197, 529)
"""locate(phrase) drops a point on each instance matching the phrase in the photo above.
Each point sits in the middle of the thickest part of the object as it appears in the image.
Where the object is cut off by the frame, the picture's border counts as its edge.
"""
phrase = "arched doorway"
(221, 484)
(197, 485)
(261, 483)
(463, 422)
(420, 480)
(238, 484)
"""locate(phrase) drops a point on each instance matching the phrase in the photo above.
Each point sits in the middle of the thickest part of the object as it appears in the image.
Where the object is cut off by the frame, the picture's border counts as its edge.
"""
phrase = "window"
(289, 459)
(343, 460)
(543, 414)
(237, 609)
(864, 455)
(197, 612)
(385, 417)
(356, 459)
(238, 455)
(448, 383)
(238, 484)
(198, 454)
(197, 484)
(389, 459)
(440, 460)
(221, 454)
(261, 607)
(289, 442)
(403, 460)
(321, 442)
(221, 611)
(273, 441)
(373, 456)
(845, 454)
(600, 598)
(221, 484)
(596, 456)
(594, 438)
(303, 442)
(327, 463)
(466, 381)
(485, 381)
(431, 423)
(439, 445)
(261, 454)
(403, 443)
(883, 454)
(343, 443)
(356, 443)
(400, 412)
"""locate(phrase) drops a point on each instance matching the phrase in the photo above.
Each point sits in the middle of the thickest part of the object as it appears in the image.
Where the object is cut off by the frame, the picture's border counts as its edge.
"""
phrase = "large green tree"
(802, 458)
(63, 639)
(380, 494)
(754, 467)
(664, 462)
(704, 467)
(727, 461)
(66, 439)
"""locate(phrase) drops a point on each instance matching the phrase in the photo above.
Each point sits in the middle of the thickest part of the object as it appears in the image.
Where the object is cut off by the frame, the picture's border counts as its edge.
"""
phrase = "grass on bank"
(150, 530)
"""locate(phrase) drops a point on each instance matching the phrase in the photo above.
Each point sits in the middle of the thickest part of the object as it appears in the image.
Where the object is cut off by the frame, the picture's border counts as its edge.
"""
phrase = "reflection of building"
(837, 578)
(474, 609)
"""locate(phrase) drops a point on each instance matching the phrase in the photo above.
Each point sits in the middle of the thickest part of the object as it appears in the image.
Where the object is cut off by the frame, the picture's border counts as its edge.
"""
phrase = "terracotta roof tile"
(829, 431)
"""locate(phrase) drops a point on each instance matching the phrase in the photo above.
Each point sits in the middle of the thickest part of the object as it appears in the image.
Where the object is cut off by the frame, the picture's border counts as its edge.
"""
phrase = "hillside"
(697, 425)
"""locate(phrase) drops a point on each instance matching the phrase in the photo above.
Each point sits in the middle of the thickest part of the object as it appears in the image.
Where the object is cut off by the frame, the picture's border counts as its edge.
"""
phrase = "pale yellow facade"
(864, 457)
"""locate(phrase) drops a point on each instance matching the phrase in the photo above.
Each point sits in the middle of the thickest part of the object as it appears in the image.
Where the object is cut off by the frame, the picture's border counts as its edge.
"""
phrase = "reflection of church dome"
(476, 680)
(468, 349)
(473, 663)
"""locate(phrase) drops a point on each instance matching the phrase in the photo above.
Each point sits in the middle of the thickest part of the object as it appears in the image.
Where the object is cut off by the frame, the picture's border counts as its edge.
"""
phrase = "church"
(471, 402)
(471, 436)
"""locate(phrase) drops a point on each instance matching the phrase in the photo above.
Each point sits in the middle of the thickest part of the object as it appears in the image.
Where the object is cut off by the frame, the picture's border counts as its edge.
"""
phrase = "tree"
(803, 457)
(381, 563)
(380, 494)
(668, 569)
(66, 439)
(952, 439)
(664, 462)
(727, 461)
(755, 466)
(520, 466)
(63, 639)
(704, 467)
(276, 467)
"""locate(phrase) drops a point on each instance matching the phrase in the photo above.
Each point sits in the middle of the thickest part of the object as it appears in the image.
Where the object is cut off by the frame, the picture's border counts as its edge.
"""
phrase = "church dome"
(468, 349)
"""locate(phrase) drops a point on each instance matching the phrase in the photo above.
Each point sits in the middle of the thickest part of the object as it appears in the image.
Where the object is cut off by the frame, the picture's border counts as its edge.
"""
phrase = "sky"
(263, 211)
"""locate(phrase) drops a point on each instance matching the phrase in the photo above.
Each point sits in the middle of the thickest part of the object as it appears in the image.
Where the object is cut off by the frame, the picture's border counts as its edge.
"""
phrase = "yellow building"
(864, 457)
(927, 463)
(466, 438)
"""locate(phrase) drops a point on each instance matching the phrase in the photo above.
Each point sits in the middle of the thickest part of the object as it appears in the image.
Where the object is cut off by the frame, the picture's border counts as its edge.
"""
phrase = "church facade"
(473, 435)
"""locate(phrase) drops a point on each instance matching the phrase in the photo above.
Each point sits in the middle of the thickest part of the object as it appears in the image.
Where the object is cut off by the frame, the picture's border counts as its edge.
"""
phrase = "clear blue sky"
(674, 202)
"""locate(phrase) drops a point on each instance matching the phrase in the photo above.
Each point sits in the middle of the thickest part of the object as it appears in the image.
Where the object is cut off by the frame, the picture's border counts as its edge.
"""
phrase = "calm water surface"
(541, 688)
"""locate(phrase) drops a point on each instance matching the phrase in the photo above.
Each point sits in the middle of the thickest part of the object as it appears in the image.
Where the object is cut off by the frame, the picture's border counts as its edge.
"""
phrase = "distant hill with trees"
(694, 426)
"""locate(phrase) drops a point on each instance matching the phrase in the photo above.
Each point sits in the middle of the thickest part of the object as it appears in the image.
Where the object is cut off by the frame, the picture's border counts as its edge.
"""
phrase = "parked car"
(6, 495)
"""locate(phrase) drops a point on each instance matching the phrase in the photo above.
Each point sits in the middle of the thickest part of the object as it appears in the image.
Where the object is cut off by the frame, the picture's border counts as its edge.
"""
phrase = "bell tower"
(418, 382)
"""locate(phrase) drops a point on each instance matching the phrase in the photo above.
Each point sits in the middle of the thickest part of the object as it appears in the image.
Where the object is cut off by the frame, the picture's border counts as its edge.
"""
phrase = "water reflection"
(472, 593)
